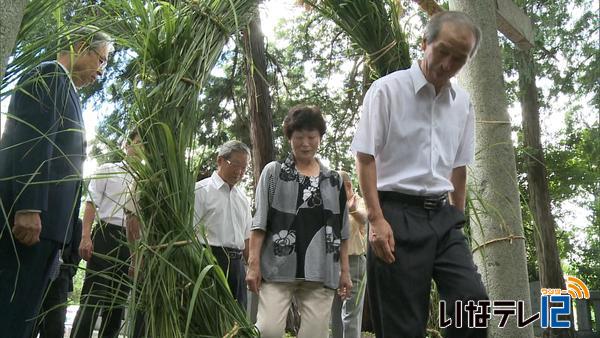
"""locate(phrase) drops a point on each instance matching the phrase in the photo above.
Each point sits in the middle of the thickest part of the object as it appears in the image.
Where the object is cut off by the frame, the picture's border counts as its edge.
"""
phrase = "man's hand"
(27, 227)
(86, 247)
(254, 278)
(381, 236)
(345, 286)
(382, 241)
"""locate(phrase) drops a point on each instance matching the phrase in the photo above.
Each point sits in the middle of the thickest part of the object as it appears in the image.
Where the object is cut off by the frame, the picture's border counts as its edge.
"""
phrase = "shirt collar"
(218, 182)
(68, 75)
(419, 80)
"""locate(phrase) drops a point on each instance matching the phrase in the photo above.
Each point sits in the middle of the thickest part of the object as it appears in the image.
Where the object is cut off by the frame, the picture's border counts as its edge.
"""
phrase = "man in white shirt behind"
(106, 285)
(223, 216)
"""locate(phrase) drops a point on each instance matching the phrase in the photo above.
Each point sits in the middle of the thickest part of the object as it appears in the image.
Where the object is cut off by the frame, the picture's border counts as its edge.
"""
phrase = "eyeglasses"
(243, 167)
(102, 59)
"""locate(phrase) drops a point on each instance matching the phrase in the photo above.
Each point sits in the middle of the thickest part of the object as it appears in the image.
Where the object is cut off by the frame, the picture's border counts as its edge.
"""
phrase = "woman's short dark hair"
(303, 117)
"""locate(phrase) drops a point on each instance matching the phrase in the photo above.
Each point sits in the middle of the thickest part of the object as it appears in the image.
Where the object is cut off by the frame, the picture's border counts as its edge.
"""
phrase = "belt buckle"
(233, 254)
(430, 203)
(435, 202)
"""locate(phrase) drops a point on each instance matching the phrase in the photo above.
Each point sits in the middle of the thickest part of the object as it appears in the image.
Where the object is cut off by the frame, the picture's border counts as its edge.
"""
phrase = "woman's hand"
(253, 278)
(345, 287)
(352, 203)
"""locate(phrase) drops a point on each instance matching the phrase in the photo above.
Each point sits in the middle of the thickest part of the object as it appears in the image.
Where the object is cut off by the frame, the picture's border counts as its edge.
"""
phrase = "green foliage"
(313, 69)
(574, 164)
(587, 261)
(566, 64)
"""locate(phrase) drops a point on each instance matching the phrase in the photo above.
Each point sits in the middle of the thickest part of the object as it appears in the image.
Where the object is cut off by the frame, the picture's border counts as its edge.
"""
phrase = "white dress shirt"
(108, 191)
(416, 137)
(225, 213)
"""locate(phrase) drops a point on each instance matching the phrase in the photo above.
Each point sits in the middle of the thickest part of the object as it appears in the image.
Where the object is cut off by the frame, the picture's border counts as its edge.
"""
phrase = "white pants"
(314, 303)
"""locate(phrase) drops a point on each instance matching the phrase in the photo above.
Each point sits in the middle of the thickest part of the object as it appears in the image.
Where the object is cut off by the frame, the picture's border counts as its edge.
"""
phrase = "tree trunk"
(496, 225)
(261, 114)
(11, 13)
(551, 274)
(259, 99)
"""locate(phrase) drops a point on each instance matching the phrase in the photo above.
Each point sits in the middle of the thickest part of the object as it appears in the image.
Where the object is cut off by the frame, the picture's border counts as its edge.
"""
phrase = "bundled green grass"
(179, 287)
(374, 27)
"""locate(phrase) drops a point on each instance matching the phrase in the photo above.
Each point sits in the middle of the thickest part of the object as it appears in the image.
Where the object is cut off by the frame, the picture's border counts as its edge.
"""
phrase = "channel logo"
(576, 288)
(555, 303)
(556, 306)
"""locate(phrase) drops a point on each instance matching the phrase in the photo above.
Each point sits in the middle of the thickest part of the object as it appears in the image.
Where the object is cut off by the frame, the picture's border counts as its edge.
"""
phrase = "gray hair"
(434, 26)
(90, 36)
(229, 147)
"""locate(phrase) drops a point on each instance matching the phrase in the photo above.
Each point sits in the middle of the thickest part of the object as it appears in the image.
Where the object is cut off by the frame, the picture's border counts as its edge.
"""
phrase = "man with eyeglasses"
(223, 217)
(103, 60)
(41, 163)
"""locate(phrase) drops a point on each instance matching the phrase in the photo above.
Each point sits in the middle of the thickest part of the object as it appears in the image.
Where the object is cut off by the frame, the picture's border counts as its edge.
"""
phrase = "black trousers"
(24, 276)
(429, 245)
(139, 330)
(53, 314)
(106, 284)
(233, 267)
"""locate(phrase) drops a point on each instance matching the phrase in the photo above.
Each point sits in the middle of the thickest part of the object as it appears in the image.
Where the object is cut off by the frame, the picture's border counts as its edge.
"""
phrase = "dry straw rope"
(162, 246)
(509, 238)
(493, 122)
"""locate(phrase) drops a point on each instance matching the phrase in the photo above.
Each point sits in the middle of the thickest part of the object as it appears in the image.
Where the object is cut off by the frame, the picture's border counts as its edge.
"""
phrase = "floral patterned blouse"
(305, 219)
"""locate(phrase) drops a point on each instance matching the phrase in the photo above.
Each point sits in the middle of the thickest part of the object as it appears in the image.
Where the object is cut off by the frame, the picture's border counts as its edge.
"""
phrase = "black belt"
(431, 202)
(230, 252)
(109, 226)
(103, 223)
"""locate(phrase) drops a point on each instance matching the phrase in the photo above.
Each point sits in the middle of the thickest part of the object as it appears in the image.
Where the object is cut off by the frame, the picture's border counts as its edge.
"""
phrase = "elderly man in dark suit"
(41, 159)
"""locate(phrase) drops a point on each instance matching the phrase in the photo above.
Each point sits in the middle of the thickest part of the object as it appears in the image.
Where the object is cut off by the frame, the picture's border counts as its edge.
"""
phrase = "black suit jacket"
(42, 152)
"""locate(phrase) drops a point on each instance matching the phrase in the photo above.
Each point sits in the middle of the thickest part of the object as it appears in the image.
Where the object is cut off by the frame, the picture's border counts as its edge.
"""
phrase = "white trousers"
(314, 303)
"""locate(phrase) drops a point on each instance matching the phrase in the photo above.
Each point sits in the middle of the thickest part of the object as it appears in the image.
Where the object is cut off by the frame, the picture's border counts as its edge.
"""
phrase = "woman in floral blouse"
(298, 241)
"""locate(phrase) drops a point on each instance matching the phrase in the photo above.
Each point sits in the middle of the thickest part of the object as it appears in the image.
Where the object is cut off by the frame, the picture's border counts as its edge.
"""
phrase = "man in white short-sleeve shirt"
(223, 215)
(105, 248)
(413, 142)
